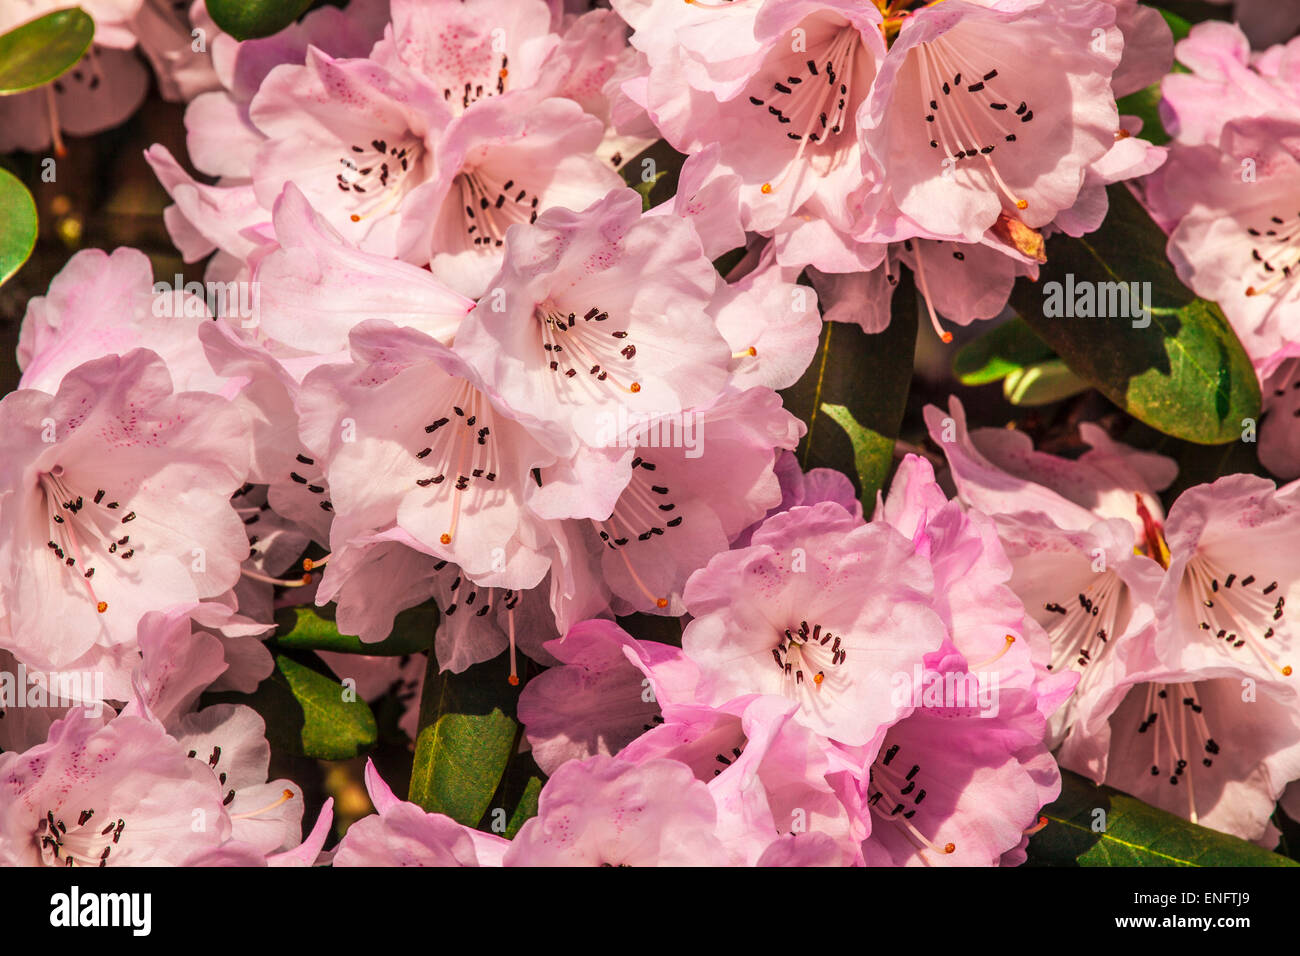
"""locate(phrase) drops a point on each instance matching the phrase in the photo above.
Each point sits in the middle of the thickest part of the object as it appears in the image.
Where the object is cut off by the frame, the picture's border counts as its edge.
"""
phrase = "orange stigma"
(635, 387)
(661, 602)
(355, 218)
(102, 606)
(767, 187)
(445, 538)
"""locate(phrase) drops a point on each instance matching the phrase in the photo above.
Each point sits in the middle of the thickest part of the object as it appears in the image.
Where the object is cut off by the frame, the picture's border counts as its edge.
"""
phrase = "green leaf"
(313, 629)
(18, 234)
(308, 713)
(1185, 373)
(250, 19)
(1009, 347)
(464, 742)
(43, 49)
(865, 379)
(1177, 25)
(1135, 834)
(653, 173)
(1042, 383)
(872, 453)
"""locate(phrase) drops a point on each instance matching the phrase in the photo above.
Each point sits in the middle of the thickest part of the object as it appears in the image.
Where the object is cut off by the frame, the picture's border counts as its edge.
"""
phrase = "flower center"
(814, 100)
(81, 844)
(1172, 715)
(643, 511)
(1238, 609)
(1082, 628)
(896, 797)
(491, 207)
(573, 344)
(966, 115)
(1275, 248)
(376, 174)
(460, 450)
(491, 81)
(808, 653)
(464, 593)
(75, 539)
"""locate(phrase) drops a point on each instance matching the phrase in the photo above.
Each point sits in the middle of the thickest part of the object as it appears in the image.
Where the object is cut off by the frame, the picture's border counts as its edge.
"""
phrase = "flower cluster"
(441, 342)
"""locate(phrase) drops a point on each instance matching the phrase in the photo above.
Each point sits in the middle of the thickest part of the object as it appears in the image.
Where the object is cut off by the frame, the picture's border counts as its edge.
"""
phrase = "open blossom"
(767, 773)
(354, 137)
(1070, 530)
(673, 514)
(962, 777)
(597, 311)
(408, 433)
(1232, 239)
(1230, 577)
(1202, 742)
(121, 793)
(968, 121)
(819, 609)
(778, 86)
(607, 812)
(506, 164)
(119, 502)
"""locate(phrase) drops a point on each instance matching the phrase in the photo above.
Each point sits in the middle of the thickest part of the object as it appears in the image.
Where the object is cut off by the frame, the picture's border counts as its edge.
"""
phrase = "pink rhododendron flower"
(606, 812)
(778, 86)
(454, 462)
(401, 834)
(599, 311)
(819, 609)
(120, 493)
(606, 690)
(121, 793)
(967, 121)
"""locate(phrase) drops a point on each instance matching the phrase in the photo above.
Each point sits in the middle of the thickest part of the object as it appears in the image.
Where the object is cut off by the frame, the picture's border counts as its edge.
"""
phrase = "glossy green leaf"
(43, 49)
(1183, 371)
(1042, 383)
(993, 356)
(250, 19)
(1128, 832)
(865, 379)
(873, 453)
(308, 713)
(17, 225)
(464, 743)
(313, 629)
